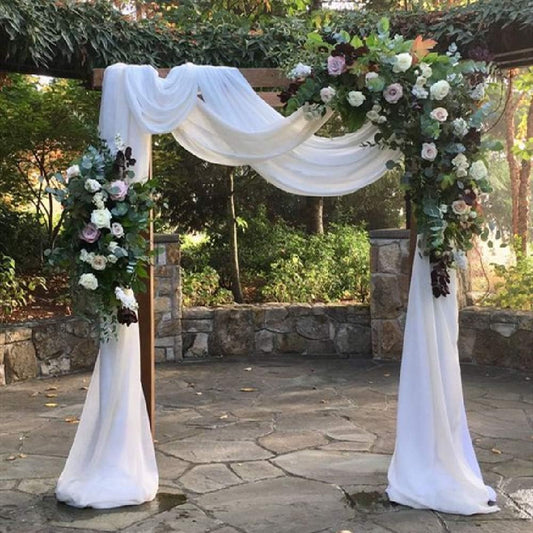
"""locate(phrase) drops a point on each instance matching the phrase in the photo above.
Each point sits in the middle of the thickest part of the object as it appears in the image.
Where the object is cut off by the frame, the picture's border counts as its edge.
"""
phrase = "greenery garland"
(106, 215)
(70, 38)
(429, 106)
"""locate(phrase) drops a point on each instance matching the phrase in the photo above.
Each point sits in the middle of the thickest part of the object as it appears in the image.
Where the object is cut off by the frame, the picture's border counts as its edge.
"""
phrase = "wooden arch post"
(259, 78)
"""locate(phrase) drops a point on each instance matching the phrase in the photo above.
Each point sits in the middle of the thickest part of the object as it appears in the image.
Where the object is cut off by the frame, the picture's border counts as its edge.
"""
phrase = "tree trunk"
(315, 212)
(524, 187)
(233, 244)
(315, 5)
(514, 169)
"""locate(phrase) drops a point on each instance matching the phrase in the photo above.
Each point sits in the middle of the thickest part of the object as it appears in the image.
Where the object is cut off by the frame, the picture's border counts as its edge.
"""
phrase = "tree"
(43, 127)
(519, 146)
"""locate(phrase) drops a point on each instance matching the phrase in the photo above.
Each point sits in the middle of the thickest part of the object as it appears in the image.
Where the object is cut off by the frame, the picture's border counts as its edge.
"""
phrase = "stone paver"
(305, 452)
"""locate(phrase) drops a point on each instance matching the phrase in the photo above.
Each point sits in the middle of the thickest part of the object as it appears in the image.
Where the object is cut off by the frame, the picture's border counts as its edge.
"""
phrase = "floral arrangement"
(106, 213)
(429, 106)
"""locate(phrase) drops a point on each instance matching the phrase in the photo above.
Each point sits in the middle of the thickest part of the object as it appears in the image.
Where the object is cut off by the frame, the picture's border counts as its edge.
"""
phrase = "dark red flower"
(290, 91)
(126, 316)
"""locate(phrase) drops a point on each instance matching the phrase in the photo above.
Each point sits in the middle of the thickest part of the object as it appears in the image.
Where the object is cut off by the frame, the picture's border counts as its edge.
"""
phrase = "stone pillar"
(167, 305)
(389, 289)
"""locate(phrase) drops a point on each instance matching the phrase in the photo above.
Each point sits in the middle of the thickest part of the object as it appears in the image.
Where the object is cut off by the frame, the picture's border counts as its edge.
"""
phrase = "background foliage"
(70, 38)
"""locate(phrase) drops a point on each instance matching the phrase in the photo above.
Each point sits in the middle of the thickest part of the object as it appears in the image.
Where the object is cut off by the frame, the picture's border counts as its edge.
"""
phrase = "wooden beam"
(267, 78)
(147, 336)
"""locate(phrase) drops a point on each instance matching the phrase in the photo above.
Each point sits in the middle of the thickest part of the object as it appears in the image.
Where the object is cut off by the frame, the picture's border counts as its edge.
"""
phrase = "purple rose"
(336, 65)
(118, 190)
(90, 233)
(393, 93)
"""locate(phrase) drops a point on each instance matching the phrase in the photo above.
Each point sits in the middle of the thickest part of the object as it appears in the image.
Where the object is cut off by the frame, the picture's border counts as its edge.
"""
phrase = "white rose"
(88, 281)
(112, 259)
(73, 171)
(374, 115)
(370, 76)
(101, 218)
(300, 71)
(402, 62)
(439, 90)
(92, 185)
(460, 127)
(86, 257)
(440, 114)
(117, 230)
(356, 98)
(461, 164)
(429, 151)
(478, 170)
(112, 245)
(126, 298)
(98, 262)
(426, 71)
(99, 199)
(460, 161)
(460, 207)
(327, 94)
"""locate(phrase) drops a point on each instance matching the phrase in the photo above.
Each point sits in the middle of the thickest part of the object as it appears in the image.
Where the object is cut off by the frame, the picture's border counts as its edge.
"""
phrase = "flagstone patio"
(285, 445)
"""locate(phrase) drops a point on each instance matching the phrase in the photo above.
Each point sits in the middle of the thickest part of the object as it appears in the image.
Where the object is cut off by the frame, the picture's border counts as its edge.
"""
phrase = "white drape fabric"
(434, 464)
(112, 461)
(230, 124)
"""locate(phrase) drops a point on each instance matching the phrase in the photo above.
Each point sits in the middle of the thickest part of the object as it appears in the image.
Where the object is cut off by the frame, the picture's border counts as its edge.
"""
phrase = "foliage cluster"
(70, 38)
(515, 291)
(14, 290)
(429, 106)
(106, 213)
(22, 237)
(282, 264)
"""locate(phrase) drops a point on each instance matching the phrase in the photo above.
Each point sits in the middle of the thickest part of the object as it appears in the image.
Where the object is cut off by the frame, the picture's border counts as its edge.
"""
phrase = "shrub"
(14, 291)
(203, 288)
(22, 238)
(516, 289)
(329, 267)
(279, 263)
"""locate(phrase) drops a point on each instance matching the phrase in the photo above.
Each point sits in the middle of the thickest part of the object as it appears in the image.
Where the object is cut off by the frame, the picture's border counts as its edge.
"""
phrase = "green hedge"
(71, 38)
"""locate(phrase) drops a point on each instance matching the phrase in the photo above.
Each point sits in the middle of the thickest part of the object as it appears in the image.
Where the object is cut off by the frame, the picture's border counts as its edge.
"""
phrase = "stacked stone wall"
(46, 347)
(275, 329)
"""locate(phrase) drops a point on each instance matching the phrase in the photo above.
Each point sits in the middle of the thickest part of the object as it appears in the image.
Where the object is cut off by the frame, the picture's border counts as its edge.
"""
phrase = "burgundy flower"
(290, 91)
(440, 278)
(126, 316)
(90, 233)
(470, 197)
(349, 53)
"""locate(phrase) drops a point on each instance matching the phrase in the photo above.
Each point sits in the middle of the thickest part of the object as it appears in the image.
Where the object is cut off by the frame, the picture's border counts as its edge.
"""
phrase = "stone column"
(389, 289)
(168, 300)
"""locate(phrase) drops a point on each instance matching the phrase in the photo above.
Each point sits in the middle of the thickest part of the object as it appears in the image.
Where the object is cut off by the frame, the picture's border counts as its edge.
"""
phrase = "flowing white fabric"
(231, 125)
(434, 464)
(112, 461)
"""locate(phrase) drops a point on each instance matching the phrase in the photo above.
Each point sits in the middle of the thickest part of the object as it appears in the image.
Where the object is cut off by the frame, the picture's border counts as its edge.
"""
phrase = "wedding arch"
(380, 86)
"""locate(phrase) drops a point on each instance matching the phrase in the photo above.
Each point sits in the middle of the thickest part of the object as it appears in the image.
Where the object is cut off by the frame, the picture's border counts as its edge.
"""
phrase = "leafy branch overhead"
(67, 38)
